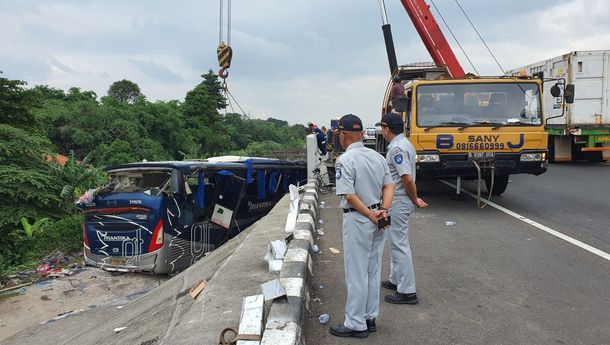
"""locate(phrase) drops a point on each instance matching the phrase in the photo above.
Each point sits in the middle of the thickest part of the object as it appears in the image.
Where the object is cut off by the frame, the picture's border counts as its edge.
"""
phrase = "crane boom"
(432, 36)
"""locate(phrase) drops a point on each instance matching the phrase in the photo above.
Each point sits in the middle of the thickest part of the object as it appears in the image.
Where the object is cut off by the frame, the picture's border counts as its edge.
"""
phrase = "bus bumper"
(149, 262)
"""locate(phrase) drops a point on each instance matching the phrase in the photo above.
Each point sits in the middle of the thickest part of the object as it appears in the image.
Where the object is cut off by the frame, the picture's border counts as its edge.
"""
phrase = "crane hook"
(223, 73)
(225, 54)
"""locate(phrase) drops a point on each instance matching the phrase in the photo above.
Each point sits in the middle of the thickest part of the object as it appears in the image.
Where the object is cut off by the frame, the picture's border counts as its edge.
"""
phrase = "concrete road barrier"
(285, 323)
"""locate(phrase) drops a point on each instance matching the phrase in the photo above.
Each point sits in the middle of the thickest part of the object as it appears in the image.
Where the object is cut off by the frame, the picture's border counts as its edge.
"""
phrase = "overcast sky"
(297, 60)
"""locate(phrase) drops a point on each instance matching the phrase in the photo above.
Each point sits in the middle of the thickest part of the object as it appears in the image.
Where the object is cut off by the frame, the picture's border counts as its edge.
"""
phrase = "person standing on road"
(401, 161)
(364, 183)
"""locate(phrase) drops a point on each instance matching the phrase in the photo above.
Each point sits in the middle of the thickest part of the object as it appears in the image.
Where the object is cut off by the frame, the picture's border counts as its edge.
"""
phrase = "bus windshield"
(472, 104)
(140, 181)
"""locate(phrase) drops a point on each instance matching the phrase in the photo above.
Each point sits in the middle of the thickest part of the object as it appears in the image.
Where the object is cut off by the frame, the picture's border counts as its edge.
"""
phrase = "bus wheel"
(500, 184)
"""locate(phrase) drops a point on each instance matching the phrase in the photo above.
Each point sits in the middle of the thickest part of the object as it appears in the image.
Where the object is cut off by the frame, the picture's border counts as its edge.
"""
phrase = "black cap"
(350, 123)
(391, 120)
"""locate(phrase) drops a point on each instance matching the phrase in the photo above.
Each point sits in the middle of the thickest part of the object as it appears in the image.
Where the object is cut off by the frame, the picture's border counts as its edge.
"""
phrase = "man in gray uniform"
(401, 161)
(364, 183)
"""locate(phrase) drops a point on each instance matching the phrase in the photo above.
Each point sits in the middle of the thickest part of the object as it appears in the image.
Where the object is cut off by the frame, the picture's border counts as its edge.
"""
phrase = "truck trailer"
(581, 130)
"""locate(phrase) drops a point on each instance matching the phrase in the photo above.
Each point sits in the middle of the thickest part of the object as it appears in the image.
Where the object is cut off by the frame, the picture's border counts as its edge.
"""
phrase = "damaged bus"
(161, 217)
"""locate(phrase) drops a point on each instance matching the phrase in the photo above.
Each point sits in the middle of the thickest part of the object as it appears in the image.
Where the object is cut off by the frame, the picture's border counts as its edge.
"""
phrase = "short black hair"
(396, 130)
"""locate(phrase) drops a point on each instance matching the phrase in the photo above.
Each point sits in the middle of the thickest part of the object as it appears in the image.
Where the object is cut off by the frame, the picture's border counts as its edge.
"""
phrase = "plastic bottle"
(324, 318)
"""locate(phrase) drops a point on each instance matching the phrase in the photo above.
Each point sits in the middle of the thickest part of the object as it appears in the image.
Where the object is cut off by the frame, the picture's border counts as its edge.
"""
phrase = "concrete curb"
(286, 316)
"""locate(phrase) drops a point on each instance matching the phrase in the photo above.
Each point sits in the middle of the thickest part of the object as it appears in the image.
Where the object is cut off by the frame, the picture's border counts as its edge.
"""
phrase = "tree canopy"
(37, 124)
(124, 91)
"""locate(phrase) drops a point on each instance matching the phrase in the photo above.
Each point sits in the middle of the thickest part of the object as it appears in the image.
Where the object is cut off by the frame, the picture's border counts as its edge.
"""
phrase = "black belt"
(372, 207)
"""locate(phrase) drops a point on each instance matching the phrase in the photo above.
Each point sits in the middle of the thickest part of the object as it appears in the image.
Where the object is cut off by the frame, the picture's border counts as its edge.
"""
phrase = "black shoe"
(389, 285)
(370, 326)
(402, 298)
(342, 331)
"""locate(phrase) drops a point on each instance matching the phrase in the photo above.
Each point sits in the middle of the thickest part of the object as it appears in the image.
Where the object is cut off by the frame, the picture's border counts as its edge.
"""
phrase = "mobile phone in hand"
(384, 222)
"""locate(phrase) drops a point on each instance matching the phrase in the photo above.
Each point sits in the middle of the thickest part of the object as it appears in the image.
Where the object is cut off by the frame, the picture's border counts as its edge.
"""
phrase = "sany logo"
(446, 141)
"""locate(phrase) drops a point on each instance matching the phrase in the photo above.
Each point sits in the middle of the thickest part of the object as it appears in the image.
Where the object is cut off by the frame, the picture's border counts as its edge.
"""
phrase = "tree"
(204, 123)
(28, 189)
(214, 88)
(124, 91)
(15, 103)
(77, 177)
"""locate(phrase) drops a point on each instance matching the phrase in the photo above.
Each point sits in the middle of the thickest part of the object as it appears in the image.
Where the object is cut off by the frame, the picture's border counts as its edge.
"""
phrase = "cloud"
(156, 71)
(295, 60)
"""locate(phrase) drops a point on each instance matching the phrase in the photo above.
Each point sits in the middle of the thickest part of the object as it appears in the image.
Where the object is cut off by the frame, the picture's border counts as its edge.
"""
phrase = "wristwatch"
(381, 208)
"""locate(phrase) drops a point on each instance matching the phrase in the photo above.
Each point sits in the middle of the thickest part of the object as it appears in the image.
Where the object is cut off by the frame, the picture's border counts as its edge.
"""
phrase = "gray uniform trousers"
(401, 262)
(362, 251)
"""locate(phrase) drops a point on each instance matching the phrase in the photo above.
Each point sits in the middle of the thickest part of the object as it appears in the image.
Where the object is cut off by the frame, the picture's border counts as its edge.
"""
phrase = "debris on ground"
(334, 250)
(196, 290)
(54, 258)
(14, 290)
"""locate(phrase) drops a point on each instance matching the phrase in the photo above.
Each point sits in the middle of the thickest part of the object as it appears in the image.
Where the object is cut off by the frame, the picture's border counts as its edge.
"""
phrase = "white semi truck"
(580, 130)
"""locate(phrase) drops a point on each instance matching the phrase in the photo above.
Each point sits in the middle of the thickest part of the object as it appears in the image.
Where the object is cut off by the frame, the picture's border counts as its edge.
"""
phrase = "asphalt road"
(491, 278)
(573, 198)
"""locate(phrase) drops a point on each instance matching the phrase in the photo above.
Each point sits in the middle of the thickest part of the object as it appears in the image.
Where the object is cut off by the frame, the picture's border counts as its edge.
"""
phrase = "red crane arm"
(432, 36)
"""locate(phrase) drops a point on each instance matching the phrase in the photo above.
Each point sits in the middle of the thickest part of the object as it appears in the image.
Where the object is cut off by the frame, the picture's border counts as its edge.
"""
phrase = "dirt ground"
(87, 288)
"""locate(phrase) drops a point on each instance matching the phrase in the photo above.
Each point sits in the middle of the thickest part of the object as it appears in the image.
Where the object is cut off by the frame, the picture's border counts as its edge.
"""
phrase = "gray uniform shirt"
(401, 161)
(363, 172)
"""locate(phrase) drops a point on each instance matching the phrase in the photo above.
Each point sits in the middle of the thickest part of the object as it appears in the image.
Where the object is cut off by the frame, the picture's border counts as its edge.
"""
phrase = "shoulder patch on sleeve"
(398, 158)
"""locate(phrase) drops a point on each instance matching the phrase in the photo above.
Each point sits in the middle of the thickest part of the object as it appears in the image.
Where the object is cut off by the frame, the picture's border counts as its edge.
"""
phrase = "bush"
(65, 235)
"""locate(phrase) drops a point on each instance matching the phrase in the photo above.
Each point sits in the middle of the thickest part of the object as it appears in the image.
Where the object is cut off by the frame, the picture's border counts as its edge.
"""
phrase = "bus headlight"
(533, 157)
(428, 158)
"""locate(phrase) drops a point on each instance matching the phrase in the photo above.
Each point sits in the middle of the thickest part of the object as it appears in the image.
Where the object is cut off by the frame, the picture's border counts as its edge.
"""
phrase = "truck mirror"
(568, 94)
(555, 90)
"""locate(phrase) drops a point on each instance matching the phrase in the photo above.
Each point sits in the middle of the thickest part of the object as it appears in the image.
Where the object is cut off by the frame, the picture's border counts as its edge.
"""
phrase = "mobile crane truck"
(462, 125)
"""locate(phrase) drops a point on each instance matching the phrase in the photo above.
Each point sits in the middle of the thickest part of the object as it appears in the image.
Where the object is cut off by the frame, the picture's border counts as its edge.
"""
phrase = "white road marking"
(537, 225)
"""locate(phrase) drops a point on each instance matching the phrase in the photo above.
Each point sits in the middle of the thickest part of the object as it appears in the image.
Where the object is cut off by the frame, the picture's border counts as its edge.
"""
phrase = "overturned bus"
(161, 217)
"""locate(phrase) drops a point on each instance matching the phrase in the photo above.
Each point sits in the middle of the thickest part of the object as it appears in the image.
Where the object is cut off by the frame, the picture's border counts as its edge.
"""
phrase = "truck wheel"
(500, 184)
(594, 157)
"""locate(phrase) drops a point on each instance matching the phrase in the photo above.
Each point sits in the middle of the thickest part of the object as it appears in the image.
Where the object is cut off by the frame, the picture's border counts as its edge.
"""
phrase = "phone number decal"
(479, 146)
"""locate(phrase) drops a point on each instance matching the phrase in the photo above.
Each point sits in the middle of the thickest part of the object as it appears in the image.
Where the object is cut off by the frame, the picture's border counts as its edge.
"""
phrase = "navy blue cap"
(350, 123)
(391, 120)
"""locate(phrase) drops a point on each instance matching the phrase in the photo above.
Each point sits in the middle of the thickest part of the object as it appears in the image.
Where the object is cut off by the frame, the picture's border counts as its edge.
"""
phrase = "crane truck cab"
(471, 127)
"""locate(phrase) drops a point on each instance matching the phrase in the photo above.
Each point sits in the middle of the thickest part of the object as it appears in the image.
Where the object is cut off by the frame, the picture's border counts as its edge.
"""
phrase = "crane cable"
(224, 51)
(225, 54)
(482, 40)
(455, 38)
